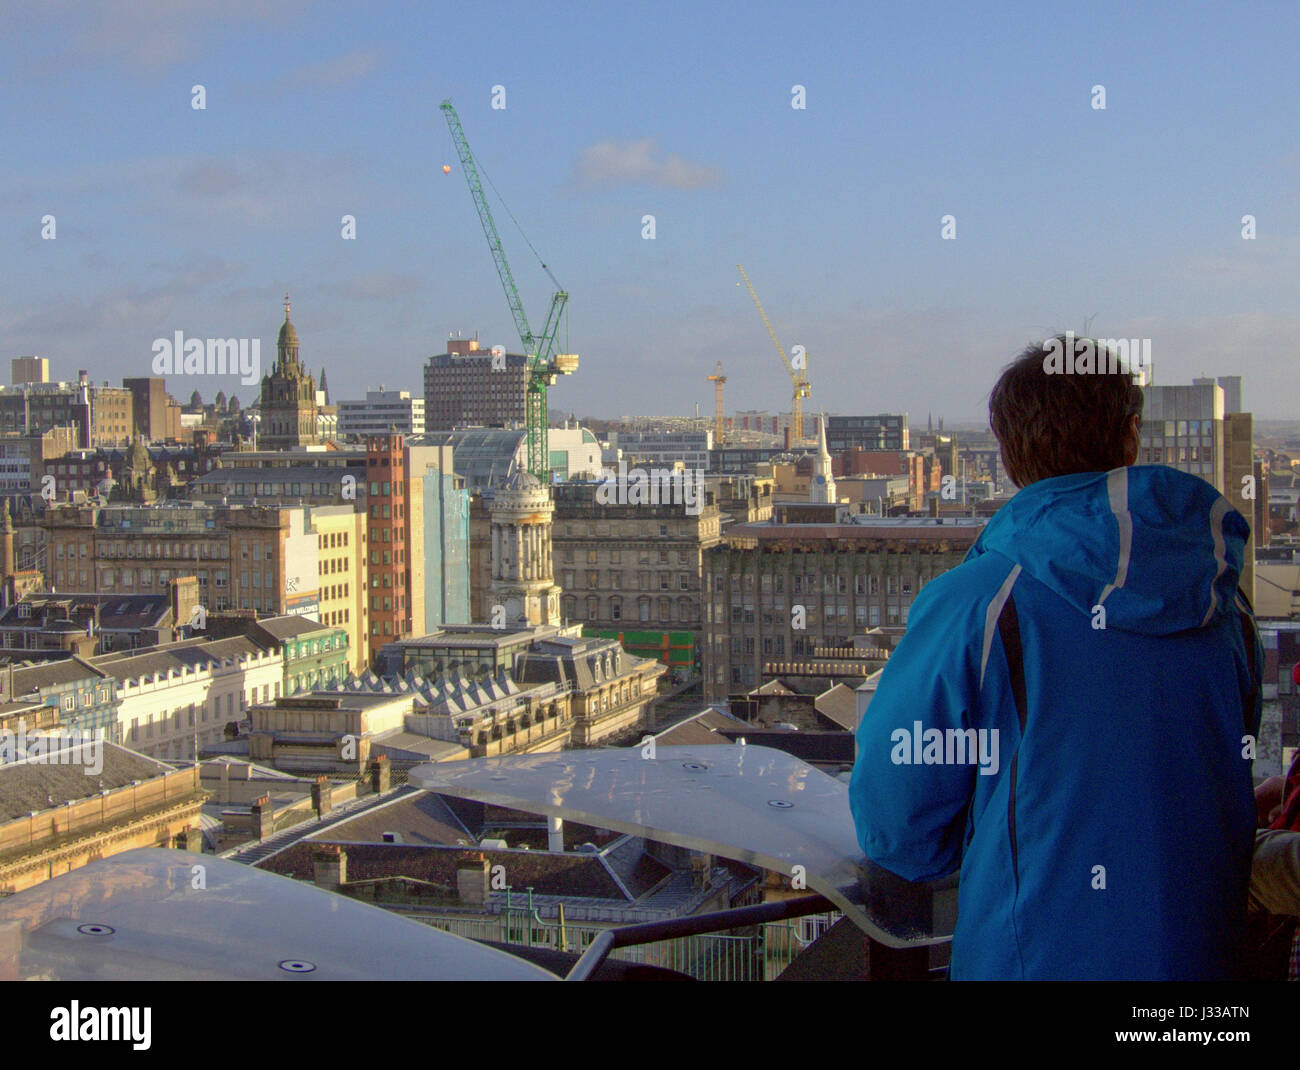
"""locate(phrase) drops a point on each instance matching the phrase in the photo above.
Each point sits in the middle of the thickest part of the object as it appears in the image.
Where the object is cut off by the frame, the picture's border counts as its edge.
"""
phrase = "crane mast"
(719, 413)
(544, 364)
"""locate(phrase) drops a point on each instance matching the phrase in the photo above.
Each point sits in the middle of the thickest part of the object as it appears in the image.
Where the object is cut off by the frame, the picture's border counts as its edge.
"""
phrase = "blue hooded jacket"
(1113, 840)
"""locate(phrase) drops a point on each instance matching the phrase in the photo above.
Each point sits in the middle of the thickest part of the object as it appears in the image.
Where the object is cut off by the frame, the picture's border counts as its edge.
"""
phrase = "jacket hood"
(1159, 549)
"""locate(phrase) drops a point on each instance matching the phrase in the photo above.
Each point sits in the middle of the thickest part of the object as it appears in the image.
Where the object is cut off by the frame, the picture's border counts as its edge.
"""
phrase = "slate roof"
(839, 703)
(402, 746)
(291, 627)
(423, 819)
(449, 696)
(66, 671)
(705, 727)
(191, 654)
(117, 612)
(40, 785)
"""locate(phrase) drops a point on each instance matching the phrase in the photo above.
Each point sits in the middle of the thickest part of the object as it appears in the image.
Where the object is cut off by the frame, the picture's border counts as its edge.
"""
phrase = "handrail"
(692, 925)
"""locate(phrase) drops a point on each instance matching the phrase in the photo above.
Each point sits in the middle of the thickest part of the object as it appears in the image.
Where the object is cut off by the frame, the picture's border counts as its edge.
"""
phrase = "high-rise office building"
(1192, 428)
(29, 370)
(469, 386)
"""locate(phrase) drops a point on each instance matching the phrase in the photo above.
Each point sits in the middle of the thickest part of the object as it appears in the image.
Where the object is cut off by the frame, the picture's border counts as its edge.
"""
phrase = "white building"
(381, 412)
(15, 465)
(575, 452)
(169, 695)
(1182, 426)
(663, 449)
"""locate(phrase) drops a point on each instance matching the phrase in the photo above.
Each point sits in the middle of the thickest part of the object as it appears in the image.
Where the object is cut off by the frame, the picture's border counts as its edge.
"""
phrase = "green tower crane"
(544, 364)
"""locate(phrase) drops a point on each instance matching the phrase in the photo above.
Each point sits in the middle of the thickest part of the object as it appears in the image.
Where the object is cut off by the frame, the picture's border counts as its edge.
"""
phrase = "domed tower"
(523, 591)
(286, 346)
(288, 396)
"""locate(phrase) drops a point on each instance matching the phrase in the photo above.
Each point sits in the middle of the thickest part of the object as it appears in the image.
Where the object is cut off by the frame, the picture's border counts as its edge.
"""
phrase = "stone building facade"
(782, 592)
(288, 403)
(54, 818)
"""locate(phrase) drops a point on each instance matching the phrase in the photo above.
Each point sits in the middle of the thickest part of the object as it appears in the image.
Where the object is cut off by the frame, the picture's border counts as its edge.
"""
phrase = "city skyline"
(169, 218)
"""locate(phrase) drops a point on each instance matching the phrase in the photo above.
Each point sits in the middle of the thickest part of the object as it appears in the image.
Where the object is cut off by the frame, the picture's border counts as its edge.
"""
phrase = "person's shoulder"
(962, 595)
(975, 581)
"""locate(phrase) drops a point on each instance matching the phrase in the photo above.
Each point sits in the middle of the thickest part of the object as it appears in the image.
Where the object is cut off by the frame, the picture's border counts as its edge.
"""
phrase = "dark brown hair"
(1057, 423)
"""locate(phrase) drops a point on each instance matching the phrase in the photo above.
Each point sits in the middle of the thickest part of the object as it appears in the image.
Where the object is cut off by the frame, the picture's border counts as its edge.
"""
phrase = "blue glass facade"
(446, 548)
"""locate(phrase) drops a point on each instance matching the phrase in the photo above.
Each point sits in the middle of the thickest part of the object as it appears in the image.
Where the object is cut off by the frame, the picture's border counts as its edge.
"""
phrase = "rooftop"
(126, 612)
(291, 626)
(188, 655)
(66, 671)
(36, 785)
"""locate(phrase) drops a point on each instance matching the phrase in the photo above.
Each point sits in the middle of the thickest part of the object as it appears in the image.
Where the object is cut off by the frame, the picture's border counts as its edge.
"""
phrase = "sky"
(1126, 220)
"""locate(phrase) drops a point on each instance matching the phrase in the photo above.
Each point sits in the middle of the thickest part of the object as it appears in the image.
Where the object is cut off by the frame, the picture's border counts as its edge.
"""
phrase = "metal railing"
(747, 944)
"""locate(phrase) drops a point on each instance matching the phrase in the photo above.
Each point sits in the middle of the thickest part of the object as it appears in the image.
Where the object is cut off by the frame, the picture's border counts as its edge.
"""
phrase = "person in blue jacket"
(1071, 714)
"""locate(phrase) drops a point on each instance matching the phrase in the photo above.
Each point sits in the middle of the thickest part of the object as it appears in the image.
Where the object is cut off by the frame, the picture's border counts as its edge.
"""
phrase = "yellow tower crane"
(798, 370)
(719, 420)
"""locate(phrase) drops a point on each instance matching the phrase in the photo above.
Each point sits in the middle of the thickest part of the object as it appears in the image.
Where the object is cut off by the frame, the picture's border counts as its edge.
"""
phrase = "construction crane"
(798, 376)
(719, 423)
(544, 364)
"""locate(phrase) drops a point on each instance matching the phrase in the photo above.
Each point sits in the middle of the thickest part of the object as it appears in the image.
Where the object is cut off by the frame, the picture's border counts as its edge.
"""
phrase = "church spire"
(822, 487)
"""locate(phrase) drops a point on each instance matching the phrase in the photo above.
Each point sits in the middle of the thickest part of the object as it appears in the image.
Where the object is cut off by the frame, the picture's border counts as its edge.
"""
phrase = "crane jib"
(543, 362)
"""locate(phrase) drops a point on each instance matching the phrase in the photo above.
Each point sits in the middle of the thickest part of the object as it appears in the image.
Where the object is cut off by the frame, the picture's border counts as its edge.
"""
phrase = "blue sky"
(173, 219)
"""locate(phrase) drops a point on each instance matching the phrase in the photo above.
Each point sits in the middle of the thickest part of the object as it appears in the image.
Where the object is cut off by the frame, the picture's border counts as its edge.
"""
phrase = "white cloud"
(609, 163)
